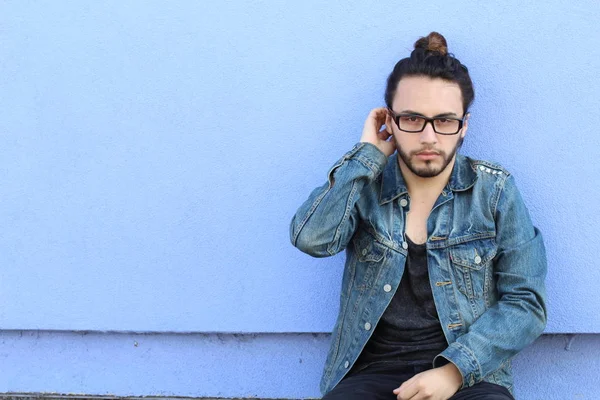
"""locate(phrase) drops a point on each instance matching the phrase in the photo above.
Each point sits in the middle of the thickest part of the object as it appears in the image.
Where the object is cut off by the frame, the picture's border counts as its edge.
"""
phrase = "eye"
(444, 120)
(410, 118)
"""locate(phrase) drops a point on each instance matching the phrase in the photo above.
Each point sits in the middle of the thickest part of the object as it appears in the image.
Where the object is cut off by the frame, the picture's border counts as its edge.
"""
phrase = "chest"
(416, 219)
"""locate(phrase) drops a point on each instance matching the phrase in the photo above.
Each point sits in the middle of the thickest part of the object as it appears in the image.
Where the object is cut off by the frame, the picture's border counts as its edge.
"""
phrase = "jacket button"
(403, 203)
(364, 252)
(404, 245)
(387, 288)
(367, 326)
(477, 259)
(346, 364)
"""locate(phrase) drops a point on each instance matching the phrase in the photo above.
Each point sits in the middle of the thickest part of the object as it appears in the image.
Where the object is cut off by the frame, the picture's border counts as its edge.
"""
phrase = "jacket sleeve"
(325, 222)
(519, 316)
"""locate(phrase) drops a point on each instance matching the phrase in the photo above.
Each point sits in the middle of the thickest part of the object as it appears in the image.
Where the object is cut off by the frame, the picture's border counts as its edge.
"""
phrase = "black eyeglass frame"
(396, 118)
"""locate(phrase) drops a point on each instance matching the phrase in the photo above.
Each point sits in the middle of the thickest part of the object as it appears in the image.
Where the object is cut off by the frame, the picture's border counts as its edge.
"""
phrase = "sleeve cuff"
(370, 156)
(464, 360)
(367, 154)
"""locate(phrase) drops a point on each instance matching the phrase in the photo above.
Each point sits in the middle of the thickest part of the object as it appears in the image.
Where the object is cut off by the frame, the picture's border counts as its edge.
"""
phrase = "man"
(444, 280)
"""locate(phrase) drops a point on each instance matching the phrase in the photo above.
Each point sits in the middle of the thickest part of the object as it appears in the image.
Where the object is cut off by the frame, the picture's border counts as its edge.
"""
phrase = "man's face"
(429, 97)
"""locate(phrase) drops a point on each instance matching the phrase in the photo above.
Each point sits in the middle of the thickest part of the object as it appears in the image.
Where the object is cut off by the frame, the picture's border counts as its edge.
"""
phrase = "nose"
(428, 135)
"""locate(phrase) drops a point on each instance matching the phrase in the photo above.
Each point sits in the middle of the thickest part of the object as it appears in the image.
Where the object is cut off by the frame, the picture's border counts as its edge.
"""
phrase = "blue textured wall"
(152, 155)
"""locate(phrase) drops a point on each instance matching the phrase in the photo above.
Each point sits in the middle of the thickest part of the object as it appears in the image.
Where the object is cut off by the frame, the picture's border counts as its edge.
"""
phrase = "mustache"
(428, 150)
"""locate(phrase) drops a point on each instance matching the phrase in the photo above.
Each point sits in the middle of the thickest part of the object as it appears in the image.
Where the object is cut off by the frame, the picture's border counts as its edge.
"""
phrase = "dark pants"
(375, 383)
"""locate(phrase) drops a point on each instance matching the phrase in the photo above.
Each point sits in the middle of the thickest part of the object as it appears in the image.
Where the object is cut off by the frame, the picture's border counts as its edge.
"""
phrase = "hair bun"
(434, 42)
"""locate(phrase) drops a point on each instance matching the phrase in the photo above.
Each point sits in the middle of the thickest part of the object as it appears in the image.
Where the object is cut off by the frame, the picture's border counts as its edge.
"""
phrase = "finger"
(380, 121)
(374, 122)
(377, 111)
(404, 387)
(373, 119)
(408, 393)
(377, 115)
(384, 135)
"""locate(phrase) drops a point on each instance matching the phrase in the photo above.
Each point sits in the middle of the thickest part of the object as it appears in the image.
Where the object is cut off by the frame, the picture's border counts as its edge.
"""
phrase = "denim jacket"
(486, 261)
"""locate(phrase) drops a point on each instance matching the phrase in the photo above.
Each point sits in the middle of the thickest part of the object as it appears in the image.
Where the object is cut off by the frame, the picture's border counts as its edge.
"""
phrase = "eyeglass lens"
(416, 124)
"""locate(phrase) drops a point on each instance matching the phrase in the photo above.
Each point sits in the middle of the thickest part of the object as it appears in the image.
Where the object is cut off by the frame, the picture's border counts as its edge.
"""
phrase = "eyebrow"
(447, 114)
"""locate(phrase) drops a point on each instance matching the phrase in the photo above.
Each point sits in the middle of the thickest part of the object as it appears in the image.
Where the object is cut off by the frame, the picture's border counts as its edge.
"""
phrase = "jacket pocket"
(472, 265)
(367, 248)
(370, 255)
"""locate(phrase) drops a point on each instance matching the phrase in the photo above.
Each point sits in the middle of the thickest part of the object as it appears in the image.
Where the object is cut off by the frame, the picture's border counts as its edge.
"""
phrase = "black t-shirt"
(409, 331)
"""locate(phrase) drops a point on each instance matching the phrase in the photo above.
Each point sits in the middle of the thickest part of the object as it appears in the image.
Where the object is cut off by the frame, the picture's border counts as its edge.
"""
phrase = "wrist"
(454, 373)
(377, 146)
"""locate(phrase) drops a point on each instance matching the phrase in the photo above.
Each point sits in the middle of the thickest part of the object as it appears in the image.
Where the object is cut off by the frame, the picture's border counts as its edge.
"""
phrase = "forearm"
(324, 223)
(512, 323)
(519, 271)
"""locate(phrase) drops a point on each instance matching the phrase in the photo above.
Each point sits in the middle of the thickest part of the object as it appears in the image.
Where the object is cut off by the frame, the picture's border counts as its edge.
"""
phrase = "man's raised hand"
(372, 133)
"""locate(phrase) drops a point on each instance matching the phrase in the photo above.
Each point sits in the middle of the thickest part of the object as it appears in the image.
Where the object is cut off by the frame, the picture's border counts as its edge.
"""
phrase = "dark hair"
(430, 58)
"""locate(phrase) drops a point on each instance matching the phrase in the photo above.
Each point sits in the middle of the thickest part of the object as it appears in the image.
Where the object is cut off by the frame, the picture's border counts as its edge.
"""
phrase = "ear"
(465, 126)
(388, 122)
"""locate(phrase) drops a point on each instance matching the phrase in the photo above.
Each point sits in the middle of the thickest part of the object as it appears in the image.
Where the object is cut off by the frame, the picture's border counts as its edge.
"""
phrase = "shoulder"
(487, 168)
(490, 179)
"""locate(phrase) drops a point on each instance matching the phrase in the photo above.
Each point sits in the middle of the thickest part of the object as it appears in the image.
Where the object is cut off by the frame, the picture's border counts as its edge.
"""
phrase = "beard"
(430, 169)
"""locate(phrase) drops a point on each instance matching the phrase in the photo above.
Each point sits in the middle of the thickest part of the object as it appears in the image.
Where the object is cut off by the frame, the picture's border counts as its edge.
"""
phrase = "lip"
(427, 155)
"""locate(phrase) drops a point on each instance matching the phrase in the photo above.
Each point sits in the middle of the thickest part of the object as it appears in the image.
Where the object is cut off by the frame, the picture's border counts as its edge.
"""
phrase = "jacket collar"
(463, 177)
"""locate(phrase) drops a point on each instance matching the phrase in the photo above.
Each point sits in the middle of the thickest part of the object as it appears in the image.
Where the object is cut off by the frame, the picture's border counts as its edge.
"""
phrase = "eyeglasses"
(416, 123)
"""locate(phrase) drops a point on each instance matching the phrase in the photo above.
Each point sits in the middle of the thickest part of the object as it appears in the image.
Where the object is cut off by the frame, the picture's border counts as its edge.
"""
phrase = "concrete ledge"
(55, 396)
(96, 365)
